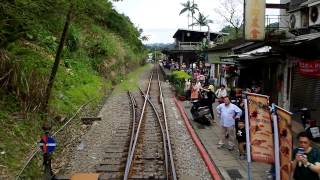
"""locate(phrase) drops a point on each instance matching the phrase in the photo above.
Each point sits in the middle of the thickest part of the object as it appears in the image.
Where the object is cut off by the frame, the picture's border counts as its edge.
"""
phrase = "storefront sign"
(261, 136)
(285, 142)
(310, 68)
(255, 19)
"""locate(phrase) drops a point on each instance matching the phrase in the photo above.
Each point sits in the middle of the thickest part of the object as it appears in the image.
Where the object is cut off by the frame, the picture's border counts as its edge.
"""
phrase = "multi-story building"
(189, 44)
(300, 84)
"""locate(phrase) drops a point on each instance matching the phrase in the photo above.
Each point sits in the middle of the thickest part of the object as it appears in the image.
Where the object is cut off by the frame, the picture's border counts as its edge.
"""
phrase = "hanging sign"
(261, 136)
(285, 142)
(310, 68)
(255, 20)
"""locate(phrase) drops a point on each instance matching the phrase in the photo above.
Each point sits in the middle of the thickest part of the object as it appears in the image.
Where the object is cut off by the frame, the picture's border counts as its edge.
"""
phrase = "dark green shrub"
(178, 79)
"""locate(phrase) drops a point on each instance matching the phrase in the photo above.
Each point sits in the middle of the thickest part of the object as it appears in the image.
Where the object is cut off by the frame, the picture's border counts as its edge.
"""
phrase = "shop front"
(260, 72)
(305, 90)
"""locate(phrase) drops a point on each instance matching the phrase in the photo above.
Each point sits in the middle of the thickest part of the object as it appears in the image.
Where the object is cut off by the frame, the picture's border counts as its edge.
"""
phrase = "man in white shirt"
(221, 93)
(228, 114)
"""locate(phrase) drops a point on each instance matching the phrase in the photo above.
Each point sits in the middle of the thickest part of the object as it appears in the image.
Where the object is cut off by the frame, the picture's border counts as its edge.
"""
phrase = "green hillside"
(101, 47)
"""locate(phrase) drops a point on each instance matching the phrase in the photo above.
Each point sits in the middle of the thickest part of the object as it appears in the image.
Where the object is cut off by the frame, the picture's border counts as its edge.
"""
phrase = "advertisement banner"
(255, 20)
(310, 68)
(261, 136)
(285, 142)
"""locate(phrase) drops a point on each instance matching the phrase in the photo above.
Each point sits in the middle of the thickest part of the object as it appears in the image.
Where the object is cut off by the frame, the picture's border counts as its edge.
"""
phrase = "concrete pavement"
(227, 162)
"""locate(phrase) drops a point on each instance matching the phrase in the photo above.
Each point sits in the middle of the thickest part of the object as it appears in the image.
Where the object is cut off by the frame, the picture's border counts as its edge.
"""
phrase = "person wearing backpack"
(305, 159)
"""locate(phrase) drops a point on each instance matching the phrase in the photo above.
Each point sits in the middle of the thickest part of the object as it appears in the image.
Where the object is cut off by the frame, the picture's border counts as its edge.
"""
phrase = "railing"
(189, 45)
(276, 23)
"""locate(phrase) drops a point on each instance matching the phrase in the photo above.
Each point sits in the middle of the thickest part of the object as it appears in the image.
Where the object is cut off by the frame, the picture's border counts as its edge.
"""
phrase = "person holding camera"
(306, 159)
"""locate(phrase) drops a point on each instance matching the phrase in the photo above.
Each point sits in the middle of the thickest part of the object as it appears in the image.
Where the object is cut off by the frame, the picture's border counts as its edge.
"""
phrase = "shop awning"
(306, 46)
(299, 39)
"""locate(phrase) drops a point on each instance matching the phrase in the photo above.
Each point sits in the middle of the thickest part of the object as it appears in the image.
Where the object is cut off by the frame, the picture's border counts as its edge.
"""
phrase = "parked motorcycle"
(200, 112)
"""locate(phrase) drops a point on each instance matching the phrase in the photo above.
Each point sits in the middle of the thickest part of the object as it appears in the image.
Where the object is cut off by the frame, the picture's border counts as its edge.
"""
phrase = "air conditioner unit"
(295, 20)
(314, 15)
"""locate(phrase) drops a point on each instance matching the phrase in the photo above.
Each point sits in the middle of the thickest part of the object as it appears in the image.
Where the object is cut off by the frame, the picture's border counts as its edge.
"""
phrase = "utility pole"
(192, 15)
(208, 43)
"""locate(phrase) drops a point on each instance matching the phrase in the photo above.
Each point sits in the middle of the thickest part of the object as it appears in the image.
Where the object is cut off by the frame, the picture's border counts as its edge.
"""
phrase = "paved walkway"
(228, 163)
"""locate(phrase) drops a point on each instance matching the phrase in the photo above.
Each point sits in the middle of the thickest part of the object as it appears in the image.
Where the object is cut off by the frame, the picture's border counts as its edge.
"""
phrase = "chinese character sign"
(310, 68)
(261, 135)
(285, 141)
(255, 19)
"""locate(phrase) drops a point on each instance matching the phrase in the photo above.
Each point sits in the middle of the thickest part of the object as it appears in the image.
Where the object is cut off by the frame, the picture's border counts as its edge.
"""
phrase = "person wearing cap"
(211, 99)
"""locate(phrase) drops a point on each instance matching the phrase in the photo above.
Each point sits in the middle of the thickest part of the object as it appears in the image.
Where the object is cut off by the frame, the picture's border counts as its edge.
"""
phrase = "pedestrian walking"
(187, 88)
(306, 159)
(211, 97)
(194, 91)
(228, 114)
(241, 138)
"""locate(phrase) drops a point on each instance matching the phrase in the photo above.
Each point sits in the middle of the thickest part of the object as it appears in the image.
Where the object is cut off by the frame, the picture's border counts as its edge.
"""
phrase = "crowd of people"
(230, 111)
(306, 158)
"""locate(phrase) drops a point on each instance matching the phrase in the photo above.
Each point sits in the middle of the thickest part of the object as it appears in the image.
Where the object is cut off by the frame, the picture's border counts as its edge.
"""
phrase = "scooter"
(310, 125)
(200, 112)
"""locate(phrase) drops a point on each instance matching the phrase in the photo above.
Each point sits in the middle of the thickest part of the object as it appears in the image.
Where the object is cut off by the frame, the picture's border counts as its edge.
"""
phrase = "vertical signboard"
(285, 142)
(261, 136)
(255, 19)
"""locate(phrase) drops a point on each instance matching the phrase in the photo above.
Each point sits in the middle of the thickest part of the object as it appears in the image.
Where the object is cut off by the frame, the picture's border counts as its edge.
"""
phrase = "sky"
(160, 19)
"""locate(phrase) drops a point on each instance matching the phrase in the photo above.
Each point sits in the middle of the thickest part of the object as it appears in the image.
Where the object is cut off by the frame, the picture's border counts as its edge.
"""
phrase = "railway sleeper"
(110, 168)
(115, 155)
(113, 175)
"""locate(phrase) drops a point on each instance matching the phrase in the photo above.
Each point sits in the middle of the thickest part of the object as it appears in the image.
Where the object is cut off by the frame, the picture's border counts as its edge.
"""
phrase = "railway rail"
(150, 155)
(141, 149)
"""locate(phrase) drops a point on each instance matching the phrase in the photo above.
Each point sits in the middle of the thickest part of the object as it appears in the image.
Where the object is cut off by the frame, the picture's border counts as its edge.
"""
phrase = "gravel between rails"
(90, 152)
(187, 158)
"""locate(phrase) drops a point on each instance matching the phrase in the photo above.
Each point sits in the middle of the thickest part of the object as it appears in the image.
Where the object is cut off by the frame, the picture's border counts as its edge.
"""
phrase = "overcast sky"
(159, 19)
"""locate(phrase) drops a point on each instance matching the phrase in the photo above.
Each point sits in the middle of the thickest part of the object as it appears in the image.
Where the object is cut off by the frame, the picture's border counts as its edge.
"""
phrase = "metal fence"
(276, 23)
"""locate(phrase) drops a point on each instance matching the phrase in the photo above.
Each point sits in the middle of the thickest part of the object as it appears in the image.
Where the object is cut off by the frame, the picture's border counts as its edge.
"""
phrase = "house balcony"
(189, 46)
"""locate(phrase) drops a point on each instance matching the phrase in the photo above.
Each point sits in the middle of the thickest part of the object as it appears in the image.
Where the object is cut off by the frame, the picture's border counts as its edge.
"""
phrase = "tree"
(232, 13)
(189, 7)
(57, 60)
(55, 66)
(231, 32)
(202, 20)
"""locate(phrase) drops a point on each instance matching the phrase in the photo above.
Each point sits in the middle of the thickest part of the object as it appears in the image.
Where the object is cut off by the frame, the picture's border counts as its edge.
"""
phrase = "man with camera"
(306, 159)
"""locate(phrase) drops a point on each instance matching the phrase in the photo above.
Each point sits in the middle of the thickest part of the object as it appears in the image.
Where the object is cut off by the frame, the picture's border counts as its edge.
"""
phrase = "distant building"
(189, 43)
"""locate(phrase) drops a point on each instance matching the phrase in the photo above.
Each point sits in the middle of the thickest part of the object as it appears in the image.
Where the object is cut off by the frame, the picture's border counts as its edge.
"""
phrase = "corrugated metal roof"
(301, 38)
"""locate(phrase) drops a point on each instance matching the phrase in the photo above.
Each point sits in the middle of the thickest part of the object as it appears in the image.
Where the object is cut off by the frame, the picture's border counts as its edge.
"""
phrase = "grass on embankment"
(130, 83)
(18, 137)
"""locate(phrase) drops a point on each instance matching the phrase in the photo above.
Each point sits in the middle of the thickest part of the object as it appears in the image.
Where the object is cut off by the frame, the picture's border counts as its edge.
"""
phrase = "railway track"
(150, 155)
(141, 148)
